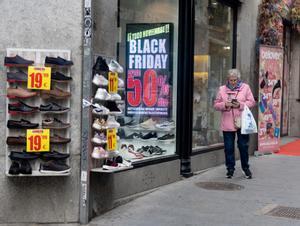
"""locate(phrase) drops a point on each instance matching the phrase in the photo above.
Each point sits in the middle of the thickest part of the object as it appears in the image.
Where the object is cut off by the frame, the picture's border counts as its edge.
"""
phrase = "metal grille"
(221, 186)
(283, 211)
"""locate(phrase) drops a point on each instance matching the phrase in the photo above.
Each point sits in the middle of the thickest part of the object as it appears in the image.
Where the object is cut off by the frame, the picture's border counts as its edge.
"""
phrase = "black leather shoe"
(53, 108)
(25, 167)
(17, 155)
(17, 61)
(22, 124)
(21, 108)
(18, 76)
(54, 155)
(100, 65)
(14, 169)
(57, 61)
(60, 77)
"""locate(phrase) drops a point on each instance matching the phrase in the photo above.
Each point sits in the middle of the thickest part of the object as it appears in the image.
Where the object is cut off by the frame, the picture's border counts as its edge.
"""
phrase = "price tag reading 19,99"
(112, 82)
(111, 139)
(37, 140)
(39, 78)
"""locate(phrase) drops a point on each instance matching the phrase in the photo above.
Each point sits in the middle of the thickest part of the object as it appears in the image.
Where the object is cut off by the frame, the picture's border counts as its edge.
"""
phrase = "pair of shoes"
(19, 92)
(54, 167)
(99, 153)
(18, 155)
(148, 151)
(102, 94)
(21, 124)
(60, 77)
(54, 123)
(99, 109)
(18, 167)
(20, 140)
(16, 61)
(99, 138)
(53, 108)
(54, 155)
(230, 173)
(55, 93)
(57, 61)
(247, 173)
(150, 136)
(18, 76)
(21, 108)
(166, 125)
(167, 137)
(56, 139)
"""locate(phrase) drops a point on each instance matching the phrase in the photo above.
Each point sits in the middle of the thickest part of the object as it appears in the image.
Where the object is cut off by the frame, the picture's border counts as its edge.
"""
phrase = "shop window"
(213, 57)
(143, 41)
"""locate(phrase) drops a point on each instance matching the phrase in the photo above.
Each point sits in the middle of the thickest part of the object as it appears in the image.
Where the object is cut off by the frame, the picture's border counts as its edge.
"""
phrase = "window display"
(213, 57)
(37, 141)
(143, 64)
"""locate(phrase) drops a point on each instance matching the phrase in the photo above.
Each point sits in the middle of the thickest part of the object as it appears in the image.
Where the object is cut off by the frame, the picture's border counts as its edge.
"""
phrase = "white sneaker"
(99, 138)
(111, 122)
(114, 96)
(101, 94)
(99, 153)
(166, 125)
(100, 80)
(100, 109)
(148, 124)
(99, 124)
(120, 83)
(114, 66)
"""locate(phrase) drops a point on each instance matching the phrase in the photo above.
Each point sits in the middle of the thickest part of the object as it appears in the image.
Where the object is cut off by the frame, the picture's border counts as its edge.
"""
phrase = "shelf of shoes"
(146, 139)
(106, 107)
(28, 116)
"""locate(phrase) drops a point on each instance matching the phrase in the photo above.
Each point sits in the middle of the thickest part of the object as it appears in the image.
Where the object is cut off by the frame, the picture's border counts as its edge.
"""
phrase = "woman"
(230, 100)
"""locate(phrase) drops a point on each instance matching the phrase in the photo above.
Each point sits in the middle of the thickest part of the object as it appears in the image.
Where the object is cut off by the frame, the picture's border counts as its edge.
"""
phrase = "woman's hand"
(228, 104)
(235, 104)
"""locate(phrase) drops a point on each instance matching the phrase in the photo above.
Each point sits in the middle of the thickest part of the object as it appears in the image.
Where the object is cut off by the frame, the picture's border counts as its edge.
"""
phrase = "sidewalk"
(276, 181)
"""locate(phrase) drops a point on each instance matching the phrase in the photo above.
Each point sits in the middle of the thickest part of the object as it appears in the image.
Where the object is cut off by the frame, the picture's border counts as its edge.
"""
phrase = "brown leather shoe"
(55, 139)
(19, 92)
(20, 140)
(55, 93)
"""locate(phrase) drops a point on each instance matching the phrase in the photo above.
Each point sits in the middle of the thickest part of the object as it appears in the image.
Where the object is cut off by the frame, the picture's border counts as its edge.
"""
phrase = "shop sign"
(111, 135)
(270, 92)
(37, 140)
(39, 78)
(112, 82)
(149, 69)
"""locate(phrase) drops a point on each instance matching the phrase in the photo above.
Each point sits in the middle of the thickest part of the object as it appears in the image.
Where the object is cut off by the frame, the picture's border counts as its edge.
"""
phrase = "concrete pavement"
(276, 181)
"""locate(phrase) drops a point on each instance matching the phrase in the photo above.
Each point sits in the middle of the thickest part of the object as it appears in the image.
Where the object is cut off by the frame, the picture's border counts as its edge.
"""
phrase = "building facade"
(160, 46)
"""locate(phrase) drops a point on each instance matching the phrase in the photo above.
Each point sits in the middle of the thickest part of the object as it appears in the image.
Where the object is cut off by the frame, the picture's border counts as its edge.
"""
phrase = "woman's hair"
(234, 72)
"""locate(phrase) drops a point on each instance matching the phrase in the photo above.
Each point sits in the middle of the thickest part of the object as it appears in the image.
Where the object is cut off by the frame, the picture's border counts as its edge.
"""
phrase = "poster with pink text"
(270, 92)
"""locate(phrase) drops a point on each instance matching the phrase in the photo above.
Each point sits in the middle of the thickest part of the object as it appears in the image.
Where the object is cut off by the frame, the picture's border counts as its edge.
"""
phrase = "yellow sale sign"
(39, 78)
(37, 140)
(111, 135)
(112, 82)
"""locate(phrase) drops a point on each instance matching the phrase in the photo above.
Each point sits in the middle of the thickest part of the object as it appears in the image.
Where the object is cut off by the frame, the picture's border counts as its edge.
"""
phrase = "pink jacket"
(242, 94)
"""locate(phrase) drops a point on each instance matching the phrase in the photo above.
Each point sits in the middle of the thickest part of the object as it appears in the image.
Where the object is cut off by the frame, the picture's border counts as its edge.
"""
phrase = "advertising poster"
(149, 69)
(270, 92)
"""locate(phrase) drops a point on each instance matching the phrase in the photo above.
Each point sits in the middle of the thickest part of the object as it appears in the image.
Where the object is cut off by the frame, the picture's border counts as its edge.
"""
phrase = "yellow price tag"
(111, 135)
(37, 140)
(112, 82)
(39, 78)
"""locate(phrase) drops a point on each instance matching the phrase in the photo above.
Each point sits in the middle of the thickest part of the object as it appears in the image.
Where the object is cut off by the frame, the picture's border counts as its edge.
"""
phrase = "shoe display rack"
(138, 138)
(38, 109)
(106, 108)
